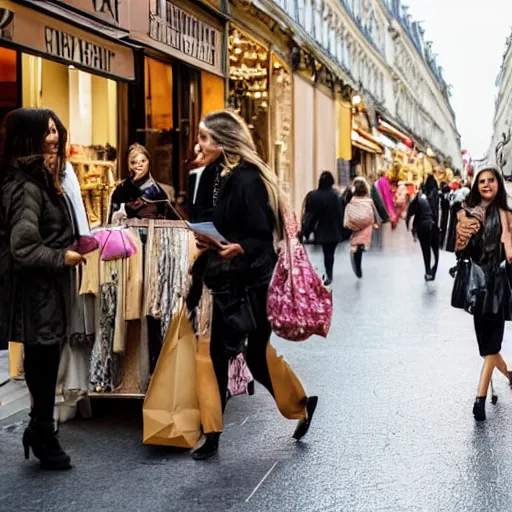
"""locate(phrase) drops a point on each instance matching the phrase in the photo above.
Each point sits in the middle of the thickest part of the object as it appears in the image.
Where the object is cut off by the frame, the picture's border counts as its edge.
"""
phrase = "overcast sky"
(469, 36)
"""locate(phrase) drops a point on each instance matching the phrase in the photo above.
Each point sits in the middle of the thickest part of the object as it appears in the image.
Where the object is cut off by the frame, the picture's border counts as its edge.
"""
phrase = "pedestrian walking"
(324, 218)
(483, 236)
(425, 210)
(39, 228)
(361, 218)
(247, 214)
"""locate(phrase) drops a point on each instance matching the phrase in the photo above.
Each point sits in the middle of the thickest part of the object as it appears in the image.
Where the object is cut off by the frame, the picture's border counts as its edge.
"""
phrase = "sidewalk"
(13, 394)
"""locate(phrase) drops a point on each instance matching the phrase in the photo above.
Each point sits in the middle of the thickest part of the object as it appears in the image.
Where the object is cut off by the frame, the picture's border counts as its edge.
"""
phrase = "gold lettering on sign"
(184, 32)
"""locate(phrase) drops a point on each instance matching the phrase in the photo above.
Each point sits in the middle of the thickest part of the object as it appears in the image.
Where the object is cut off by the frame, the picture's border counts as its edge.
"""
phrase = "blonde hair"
(138, 149)
(235, 140)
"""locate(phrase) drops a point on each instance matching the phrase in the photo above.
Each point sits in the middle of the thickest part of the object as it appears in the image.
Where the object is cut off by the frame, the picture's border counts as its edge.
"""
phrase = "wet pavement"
(393, 429)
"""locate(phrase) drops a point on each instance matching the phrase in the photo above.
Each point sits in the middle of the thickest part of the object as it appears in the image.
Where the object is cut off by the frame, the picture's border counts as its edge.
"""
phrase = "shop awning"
(37, 33)
(366, 142)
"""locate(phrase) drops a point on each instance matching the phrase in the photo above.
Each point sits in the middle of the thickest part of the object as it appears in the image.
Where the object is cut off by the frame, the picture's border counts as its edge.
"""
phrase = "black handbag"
(238, 319)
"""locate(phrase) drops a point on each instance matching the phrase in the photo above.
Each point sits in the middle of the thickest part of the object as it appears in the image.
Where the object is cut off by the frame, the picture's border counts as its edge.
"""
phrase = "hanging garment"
(71, 187)
(119, 343)
(379, 204)
(90, 283)
(104, 363)
(134, 280)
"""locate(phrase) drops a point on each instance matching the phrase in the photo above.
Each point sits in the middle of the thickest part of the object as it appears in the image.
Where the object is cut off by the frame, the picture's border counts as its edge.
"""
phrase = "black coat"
(37, 228)
(324, 216)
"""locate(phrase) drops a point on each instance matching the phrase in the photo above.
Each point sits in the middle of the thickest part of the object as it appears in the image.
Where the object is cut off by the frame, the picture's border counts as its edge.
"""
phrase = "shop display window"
(249, 86)
(8, 82)
(88, 106)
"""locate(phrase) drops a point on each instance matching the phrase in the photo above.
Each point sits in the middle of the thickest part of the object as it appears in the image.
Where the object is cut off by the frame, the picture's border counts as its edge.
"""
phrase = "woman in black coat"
(37, 228)
(324, 218)
(425, 210)
(247, 213)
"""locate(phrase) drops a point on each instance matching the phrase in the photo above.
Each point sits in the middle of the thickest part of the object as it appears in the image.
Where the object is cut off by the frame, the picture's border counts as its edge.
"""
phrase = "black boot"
(303, 426)
(45, 446)
(207, 447)
(479, 408)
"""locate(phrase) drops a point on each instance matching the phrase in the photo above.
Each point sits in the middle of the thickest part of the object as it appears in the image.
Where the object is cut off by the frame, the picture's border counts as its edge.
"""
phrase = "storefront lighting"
(356, 100)
(237, 40)
(238, 51)
(355, 135)
(71, 66)
(421, 156)
(277, 65)
(264, 104)
(257, 95)
(430, 153)
(264, 94)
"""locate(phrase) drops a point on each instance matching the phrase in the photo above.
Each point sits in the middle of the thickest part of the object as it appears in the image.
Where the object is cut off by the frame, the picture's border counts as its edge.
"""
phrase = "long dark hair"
(22, 136)
(492, 228)
(326, 180)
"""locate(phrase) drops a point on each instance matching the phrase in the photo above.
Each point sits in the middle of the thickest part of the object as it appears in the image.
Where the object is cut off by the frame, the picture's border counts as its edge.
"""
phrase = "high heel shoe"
(303, 426)
(479, 408)
(45, 446)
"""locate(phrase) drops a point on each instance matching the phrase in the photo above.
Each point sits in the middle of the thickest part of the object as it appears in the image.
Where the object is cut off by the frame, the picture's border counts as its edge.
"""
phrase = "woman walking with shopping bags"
(483, 235)
(324, 218)
(425, 210)
(247, 214)
(38, 227)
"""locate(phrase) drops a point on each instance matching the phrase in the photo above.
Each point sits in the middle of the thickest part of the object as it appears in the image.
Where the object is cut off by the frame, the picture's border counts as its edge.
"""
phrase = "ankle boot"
(303, 426)
(45, 446)
(479, 408)
(207, 447)
(357, 260)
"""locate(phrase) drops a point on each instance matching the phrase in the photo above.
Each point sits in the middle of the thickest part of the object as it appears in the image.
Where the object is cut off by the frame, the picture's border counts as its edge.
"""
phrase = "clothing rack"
(144, 224)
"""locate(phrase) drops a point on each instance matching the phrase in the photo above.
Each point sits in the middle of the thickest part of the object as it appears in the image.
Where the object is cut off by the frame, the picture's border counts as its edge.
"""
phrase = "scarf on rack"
(71, 187)
(385, 192)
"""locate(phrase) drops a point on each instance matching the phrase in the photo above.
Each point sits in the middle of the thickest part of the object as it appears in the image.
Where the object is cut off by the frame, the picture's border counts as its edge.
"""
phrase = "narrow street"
(393, 430)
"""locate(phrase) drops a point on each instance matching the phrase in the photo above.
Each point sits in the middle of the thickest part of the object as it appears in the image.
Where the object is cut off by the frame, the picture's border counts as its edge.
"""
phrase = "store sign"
(37, 33)
(80, 51)
(182, 31)
(115, 12)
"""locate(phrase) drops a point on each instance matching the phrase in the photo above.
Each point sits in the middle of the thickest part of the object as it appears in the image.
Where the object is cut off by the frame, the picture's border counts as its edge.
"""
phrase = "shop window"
(249, 87)
(88, 106)
(8, 83)
(281, 121)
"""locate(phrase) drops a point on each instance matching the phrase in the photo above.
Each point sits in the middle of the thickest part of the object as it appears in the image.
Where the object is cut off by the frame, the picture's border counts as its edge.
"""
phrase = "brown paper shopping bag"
(171, 414)
(208, 388)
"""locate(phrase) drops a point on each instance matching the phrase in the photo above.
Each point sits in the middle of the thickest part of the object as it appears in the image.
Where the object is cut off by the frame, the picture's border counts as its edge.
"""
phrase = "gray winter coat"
(36, 229)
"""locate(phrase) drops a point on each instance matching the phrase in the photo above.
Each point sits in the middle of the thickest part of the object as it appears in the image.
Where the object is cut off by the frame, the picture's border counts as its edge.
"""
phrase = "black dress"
(489, 254)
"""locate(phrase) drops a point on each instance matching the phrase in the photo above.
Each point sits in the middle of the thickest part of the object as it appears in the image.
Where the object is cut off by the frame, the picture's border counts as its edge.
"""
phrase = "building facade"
(500, 149)
(377, 48)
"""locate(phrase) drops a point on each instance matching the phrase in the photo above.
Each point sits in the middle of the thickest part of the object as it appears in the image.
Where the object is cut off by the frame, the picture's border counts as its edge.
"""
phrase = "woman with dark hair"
(324, 218)
(483, 236)
(140, 196)
(425, 210)
(38, 229)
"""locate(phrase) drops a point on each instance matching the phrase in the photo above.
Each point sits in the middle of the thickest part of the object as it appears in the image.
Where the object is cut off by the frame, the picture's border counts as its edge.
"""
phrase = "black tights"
(329, 250)
(255, 354)
(41, 364)
(428, 235)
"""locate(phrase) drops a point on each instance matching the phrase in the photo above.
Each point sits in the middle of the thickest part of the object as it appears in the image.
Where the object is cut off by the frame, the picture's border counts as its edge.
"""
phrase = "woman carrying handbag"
(483, 236)
(247, 213)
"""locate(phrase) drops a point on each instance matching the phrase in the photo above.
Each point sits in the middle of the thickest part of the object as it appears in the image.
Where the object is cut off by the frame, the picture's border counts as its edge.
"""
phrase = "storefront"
(183, 72)
(48, 61)
(261, 88)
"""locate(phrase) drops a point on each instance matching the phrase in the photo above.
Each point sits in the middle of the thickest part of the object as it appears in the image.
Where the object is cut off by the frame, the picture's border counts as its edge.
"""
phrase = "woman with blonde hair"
(247, 205)
(140, 196)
